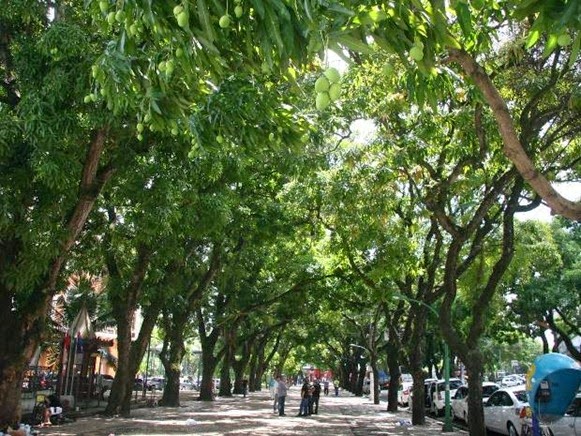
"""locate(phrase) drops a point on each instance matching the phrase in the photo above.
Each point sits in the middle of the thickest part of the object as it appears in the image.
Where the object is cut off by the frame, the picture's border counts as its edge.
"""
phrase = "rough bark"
(475, 369)
(416, 364)
(124, 301)
(171, 357)
(394, 376)
(209, 363)
(209, 360)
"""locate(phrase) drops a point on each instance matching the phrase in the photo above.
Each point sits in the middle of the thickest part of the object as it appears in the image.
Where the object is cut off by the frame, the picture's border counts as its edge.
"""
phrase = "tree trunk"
(264, 361)
(124, 379)
(394, 375)
(253, 378)
(209, 363)
(10, 392)
(172, 367)
(228, 360)
(416, 363)
(375, 387)
(124, 300)
(239, 367)
(475, 370)
(225, 382)
(171, 388)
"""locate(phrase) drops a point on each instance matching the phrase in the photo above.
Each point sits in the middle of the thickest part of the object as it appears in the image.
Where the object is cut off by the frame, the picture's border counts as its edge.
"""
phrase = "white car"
(460, 399)
(403, 393)
(512, 380)
(438, 394)
(502, 411)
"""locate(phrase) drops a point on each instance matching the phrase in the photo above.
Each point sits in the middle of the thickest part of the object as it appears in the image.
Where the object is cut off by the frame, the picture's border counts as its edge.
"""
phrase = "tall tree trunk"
(416, 364)
(139, 347)
(394, 376)
(239, 366)
(475, 369)
(225, 381)
(229, 337)
(124, 299)
(171, 359)
(209, 360)
(257, 372)
(123, 383)
(253, 379)
(209, 363)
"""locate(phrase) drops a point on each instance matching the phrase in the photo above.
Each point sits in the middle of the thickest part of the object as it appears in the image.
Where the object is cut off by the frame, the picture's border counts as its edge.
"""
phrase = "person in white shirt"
(282, 390)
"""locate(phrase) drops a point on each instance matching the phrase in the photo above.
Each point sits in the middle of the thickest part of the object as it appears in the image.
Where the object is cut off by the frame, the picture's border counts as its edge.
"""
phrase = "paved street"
(343, 415)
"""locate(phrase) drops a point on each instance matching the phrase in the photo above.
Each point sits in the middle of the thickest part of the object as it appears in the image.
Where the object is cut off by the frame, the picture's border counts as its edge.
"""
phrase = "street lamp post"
(447, 427)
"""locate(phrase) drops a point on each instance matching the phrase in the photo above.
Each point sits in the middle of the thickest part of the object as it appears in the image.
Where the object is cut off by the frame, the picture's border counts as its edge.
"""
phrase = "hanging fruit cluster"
(328, 88)
(225, 19)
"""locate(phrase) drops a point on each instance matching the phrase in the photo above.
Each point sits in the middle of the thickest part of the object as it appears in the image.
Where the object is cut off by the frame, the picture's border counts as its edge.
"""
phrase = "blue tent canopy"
(552, 383)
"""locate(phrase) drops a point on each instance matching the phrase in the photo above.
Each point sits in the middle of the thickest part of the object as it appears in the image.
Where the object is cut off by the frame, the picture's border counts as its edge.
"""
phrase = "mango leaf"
(341, 9)
(551, 44)
(353, 44)
(281, 9)
(463, 12)
(272, 24)
(258, 7)
(204, 17)
(533, 38)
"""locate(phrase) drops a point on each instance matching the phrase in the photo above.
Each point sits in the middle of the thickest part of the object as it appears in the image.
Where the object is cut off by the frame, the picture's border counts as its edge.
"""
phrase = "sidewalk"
(253, 415)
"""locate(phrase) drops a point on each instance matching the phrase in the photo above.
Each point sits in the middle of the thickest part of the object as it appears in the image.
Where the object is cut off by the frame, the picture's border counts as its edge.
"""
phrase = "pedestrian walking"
(326, 387)
(336, 384)
(282, 391)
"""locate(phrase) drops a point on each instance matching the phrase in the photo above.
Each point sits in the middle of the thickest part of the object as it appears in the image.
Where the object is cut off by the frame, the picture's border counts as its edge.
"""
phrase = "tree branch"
(513, 148)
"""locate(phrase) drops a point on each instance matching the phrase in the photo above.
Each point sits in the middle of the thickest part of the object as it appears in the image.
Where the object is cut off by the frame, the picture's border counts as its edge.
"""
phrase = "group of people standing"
(310, 395)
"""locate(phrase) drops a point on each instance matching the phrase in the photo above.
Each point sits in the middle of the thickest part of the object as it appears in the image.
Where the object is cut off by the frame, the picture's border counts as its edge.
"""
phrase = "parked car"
(366, 386)
(502, 411)
(138, 384)
(186, 384)
(406, 378)
(437, 394)
(512, 380)
(427, 400)
(460, 399)
(383, 380)
(403, 393)
(155, 383)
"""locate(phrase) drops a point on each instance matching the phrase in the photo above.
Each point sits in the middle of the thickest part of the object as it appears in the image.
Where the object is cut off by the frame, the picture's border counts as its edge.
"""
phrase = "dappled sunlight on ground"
(343, 415)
